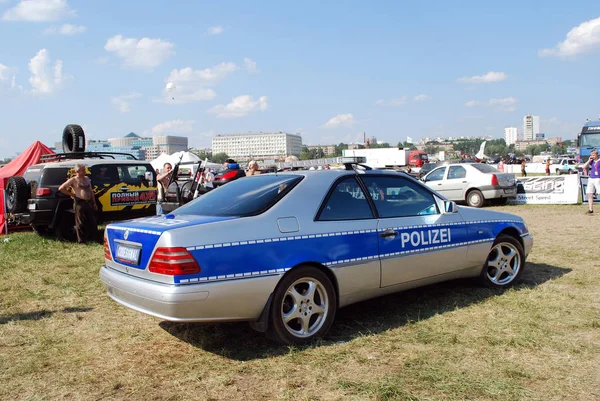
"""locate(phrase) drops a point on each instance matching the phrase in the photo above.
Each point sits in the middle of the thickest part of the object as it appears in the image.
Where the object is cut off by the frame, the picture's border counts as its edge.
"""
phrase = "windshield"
(592, 140)
(243, 197)
(485, 168)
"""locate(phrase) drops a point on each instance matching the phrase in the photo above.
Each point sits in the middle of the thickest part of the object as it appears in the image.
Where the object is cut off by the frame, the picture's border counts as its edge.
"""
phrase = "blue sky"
(328, 70)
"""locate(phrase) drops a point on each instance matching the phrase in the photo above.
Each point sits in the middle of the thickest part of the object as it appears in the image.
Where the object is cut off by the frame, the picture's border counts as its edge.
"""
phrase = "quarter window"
(346, 201)
(399, 197)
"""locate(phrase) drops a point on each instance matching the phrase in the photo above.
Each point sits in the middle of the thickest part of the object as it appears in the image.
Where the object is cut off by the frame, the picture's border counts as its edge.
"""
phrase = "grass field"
(61, 337)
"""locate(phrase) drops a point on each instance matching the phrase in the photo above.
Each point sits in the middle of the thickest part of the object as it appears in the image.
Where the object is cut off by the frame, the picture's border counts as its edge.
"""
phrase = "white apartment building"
(258, 145)
(510, 135)
(531, 126)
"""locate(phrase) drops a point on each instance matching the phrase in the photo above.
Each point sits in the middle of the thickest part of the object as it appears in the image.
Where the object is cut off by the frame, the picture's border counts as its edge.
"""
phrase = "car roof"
(90, 162)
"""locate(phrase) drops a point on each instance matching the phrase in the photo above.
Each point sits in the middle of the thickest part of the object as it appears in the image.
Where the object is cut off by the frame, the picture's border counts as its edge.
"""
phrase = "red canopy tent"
(31, 155)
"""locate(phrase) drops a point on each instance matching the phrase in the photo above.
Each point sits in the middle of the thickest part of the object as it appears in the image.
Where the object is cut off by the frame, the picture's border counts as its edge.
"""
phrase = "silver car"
(473, 183)
(284, 251)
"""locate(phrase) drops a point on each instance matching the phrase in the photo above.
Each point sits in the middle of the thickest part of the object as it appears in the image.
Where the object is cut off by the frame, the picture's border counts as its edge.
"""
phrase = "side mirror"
(450, 207)
(423, 178)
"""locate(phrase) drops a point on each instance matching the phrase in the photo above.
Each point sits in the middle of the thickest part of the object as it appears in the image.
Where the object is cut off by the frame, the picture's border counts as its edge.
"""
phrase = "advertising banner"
(132, 198)
(584, 181)
(548, 190)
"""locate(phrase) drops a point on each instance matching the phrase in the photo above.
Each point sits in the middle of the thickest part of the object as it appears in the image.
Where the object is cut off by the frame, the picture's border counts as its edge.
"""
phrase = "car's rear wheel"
(40, 229)
(65, 227)
(505, 262)
(304, 306)
(475, 198)
(558, 172)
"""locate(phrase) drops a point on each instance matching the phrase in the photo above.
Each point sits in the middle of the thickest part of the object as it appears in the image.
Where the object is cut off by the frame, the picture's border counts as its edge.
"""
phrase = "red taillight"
(228, 175)
(107, 255)
(43, 192)
(173, 262)
(494, 180)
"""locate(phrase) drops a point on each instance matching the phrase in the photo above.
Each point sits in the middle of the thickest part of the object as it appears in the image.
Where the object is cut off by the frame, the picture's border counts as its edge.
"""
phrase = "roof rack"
(85, 155)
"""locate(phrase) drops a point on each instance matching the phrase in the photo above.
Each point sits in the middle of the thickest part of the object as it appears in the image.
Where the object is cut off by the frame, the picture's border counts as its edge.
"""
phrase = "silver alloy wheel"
(305, 307)
(504, 263)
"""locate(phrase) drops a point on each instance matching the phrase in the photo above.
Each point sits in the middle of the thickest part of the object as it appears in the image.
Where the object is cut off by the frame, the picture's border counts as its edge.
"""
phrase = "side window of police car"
(399, 197)
(346, 201)
(437, 174)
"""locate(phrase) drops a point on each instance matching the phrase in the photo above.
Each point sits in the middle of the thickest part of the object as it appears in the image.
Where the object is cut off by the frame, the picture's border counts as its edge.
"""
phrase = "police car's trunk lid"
(131, 244)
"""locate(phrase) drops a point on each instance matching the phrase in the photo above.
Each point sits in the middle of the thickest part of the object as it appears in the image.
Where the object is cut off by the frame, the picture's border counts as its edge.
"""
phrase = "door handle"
(389, 233)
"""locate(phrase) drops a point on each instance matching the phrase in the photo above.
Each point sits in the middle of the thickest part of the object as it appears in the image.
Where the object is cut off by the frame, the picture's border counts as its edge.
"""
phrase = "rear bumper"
(227, 300)
(498, 192)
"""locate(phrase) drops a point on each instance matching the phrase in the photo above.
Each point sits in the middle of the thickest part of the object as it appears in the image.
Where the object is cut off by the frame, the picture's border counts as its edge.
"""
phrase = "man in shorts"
(593, 186)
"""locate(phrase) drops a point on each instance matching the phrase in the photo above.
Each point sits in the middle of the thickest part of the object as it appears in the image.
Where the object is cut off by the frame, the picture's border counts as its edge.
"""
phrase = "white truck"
(389, 157)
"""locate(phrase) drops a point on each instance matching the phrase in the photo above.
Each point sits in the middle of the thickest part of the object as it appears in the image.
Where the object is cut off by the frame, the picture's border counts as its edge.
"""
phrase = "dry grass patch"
(61, 337)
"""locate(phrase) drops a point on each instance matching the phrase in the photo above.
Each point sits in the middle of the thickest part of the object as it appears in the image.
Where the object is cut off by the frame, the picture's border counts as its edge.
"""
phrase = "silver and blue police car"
(284, 251)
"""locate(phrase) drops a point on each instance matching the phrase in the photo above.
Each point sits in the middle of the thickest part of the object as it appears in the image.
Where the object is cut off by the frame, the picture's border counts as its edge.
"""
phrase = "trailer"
(389, 157)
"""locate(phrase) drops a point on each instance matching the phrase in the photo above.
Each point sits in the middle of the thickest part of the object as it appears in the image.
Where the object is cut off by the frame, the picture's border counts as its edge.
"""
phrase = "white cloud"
(504, 104)
(250, 65)
(215, 30)
(145, 53)
(484, 79)
(8, 79)
(65, 29)
(122, 102)
(421, 98)
(174, 127)
(39, 11)
(193, 85)
(584, 38)
(380, 102)
(345, 120)
(45, 79)
(398, 101)
(240, 106)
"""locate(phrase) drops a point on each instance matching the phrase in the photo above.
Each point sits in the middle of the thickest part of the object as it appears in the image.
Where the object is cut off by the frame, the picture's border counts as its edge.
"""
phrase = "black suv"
(124, 189)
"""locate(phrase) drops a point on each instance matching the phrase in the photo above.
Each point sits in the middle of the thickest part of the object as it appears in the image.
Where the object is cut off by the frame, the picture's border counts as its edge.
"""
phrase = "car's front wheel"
(304, 306)
(505, 262)
(558, 172)
(475, 198)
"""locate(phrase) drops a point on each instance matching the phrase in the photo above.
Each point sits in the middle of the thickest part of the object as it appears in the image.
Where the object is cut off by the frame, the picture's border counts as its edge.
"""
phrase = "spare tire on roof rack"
(73, 139)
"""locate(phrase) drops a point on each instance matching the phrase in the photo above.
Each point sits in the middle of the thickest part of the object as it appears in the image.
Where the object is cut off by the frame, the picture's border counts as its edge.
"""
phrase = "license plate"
(128, 254)
(509, 191)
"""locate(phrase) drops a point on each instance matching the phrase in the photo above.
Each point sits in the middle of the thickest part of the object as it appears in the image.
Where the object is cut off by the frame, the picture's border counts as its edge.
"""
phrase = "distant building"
(522, 145)
(327, 149)
(510, 135)
(353, 146)
(258, 145)
(554, 141)
(531, 126)
(141, 148)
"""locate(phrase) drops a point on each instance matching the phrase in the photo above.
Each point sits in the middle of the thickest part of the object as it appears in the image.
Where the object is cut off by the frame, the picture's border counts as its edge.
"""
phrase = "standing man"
(84, 203)
(593, 185)
(523, 172)
(548, 167)
(162, 180)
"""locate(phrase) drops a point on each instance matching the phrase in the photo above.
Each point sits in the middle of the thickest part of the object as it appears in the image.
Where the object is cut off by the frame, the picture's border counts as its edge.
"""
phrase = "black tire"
(317, 309)
(65, 227)
(17, 193)
(73, 139)
(475, 198)
(40, 230)
(558, 172)
(505, 263)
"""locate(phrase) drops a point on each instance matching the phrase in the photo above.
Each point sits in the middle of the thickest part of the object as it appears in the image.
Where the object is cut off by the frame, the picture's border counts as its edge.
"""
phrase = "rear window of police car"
(244, 197)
